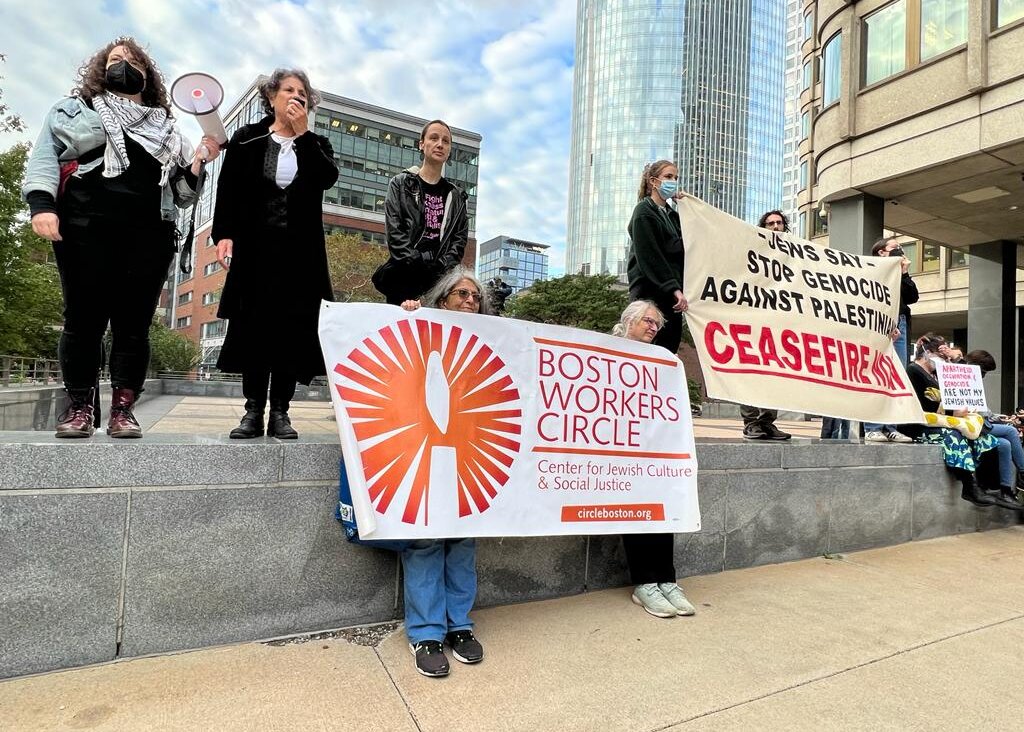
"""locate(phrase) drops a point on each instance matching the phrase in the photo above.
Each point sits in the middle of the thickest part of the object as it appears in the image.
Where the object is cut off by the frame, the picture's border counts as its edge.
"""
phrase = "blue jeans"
(1010, 451)
(901, 351)
(440, 587)
(835, 429)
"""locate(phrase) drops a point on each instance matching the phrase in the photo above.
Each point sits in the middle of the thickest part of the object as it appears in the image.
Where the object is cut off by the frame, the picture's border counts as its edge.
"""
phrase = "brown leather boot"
(77, 420)
(122, 422)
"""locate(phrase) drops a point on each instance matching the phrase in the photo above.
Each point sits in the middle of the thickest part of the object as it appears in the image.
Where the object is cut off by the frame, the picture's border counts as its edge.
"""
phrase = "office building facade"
(913, 112)
(697, 82)
(371, 145)
(519, 263)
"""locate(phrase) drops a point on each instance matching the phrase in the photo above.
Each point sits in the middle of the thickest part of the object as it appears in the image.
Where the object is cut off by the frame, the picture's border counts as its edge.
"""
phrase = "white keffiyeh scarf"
(151, 127)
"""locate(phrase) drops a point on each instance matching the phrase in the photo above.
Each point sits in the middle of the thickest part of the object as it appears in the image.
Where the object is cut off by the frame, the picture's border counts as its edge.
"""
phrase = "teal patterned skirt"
(957, 450)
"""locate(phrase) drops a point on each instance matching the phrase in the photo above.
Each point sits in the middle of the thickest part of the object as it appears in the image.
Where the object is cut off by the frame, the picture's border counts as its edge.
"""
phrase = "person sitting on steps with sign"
(1011, 452)
(961, 454)
(649, 556)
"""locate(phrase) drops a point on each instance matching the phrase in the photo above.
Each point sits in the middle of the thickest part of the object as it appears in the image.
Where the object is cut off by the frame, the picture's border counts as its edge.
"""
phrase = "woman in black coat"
(268, 226)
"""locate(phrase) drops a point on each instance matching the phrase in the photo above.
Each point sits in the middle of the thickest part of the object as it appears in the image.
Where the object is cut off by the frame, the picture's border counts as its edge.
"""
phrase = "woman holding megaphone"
(103, 183)
(268, 225)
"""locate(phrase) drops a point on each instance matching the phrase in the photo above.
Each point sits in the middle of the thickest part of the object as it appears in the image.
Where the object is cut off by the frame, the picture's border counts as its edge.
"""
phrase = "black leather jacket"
(403, 222)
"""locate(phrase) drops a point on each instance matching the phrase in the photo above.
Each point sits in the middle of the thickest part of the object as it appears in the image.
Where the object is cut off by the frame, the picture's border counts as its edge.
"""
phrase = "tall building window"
(943, 26)
(804, 175)
(809, 26)
(1008, 11)
(183, 322)
(830, 69)
(805, 125)
(957, 258)
(930, 256)
(807, 76)
(886, 42)
(906, 33)
(185, 297)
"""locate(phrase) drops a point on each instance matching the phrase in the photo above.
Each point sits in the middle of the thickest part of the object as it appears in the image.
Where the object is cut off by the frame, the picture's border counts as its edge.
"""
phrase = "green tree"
(9, 121)
(589, 302)
(30, 297)
(171, 351)
(352, 262)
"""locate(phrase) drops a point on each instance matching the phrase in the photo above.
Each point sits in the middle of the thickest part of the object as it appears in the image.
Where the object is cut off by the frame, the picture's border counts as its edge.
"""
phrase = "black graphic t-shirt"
(434, 196)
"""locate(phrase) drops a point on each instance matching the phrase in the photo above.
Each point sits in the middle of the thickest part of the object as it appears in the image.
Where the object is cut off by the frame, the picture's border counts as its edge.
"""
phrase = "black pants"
(256, 381)
(671, 334)
(649, 557)
(111, 272)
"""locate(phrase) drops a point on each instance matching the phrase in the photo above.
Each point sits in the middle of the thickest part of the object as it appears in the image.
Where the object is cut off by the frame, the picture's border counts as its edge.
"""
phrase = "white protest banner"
(961, 386)
(456, 425)
(781, 323)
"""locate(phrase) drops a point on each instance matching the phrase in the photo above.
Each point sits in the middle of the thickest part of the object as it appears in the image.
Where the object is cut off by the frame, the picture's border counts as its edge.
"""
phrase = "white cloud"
(498, 68)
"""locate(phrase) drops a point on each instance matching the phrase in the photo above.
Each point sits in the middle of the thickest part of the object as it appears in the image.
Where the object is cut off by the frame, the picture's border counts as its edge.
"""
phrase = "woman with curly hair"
(103, 183)
(269, 230)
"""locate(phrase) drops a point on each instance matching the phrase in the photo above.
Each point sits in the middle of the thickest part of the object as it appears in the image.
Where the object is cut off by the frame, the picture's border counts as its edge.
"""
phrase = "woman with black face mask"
(103, 183)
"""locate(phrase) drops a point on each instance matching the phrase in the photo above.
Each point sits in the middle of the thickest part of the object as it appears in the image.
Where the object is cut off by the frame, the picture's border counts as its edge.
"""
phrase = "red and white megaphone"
(200, 95)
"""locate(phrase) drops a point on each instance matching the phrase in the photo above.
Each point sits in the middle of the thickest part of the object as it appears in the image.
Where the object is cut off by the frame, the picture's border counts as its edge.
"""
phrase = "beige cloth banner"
(781, 323)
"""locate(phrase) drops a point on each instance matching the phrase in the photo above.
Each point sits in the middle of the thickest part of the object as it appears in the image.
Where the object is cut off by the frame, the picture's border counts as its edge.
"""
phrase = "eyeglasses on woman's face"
(650, 323)
(464, 294)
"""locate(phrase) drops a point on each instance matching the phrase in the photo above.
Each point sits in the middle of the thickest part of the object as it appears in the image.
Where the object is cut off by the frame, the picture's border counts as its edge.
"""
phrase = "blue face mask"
(668, 188)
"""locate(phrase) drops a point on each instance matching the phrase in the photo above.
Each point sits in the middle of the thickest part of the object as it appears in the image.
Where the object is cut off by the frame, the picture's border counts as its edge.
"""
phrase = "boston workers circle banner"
(456, 425)
(781, 323)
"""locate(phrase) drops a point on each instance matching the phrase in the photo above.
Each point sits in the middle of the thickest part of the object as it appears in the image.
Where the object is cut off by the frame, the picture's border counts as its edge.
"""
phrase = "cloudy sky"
(498, 67)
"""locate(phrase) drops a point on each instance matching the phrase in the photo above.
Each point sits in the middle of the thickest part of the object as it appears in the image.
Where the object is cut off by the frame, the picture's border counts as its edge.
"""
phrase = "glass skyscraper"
(694, 81)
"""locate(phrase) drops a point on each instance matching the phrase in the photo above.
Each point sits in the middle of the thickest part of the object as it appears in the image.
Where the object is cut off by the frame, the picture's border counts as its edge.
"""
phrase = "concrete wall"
(174, 542)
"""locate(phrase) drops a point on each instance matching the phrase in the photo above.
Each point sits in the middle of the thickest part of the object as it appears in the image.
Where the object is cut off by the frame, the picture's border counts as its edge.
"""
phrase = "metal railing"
(18, 370)
(218, 376)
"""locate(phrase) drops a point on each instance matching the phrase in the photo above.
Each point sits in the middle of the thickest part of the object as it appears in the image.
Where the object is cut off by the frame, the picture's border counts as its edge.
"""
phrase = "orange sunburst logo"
(417, 396)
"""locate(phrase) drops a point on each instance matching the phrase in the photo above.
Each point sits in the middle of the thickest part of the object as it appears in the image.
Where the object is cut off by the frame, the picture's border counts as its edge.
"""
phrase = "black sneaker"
(430, 658)
(465, 647)
(774, 433)
(754, 432)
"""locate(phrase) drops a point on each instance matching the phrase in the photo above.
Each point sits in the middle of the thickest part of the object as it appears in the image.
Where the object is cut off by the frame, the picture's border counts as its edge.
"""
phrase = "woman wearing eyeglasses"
(650, 556)
(440, 574)
(655, 266)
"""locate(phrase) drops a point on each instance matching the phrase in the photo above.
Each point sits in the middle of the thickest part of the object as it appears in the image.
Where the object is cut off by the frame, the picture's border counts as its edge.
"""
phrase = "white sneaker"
(896, 436)
(875, 436)
(649, 597)
(675, 596)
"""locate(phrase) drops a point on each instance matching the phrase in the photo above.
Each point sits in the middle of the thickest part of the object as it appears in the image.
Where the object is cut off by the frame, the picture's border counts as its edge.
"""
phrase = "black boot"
(972, 491)
(1007, 498)
(280, 424)
(252, 421)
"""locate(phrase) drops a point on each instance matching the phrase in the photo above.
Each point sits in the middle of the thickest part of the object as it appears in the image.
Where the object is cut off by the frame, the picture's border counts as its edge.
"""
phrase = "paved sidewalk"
(928, 635)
